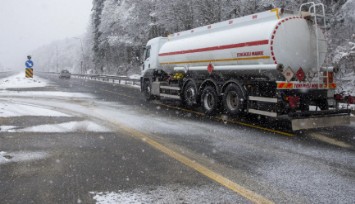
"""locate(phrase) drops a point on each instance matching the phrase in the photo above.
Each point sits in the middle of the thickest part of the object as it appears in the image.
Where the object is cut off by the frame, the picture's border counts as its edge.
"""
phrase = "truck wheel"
(233, 100)
(147, 91)
(190, 95)
(323, 104)
(210, 100)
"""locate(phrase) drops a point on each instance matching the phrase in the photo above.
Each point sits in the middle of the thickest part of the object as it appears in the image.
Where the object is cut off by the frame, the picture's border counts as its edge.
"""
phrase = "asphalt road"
(161, 153)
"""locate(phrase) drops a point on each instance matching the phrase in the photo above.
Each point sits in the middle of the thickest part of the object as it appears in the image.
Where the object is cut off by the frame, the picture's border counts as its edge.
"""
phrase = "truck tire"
(147, 90)
(210, 100)
(323, 104)
(190, 95)
(233, 100)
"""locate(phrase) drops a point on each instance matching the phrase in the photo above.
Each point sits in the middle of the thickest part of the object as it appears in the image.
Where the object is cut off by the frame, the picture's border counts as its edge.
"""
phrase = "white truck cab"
(151, 53)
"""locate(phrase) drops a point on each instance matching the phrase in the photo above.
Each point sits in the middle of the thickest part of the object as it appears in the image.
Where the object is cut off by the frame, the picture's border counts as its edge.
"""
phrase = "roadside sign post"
(29, 69)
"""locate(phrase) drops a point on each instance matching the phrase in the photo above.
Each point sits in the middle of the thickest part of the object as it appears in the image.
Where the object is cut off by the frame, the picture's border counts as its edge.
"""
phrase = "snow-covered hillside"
(119, 29)
(342, 34)
(59, 55)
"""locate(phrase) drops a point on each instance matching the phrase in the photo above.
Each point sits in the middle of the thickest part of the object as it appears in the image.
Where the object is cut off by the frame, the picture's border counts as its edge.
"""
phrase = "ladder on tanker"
(317, 12)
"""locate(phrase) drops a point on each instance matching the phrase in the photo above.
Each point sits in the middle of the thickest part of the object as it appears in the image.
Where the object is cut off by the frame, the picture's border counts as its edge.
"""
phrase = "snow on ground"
(73, 126)
(234, 142)
(163, 194)
(135, 76)
(51, 94)
(6, 128)
(20, 81)
(347, 106)
(8, 157)
(9, 109)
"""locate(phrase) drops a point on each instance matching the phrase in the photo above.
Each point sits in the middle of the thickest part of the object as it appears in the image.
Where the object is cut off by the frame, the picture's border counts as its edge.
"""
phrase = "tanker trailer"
(270, 64)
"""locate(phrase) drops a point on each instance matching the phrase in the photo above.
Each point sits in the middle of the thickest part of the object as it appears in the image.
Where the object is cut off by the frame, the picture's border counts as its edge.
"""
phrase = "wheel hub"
(232, 100)
(190, 94)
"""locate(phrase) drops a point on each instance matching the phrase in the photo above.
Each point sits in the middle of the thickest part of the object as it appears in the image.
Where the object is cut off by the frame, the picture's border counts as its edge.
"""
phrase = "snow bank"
(20, 81)
(6, 128)
(167, 194)
(51, 94)
(135, 76)
(9, 109)
(73, 126)
(8, 157)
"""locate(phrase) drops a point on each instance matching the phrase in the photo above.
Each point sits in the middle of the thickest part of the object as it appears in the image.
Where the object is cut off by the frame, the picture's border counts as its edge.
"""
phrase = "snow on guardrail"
(127, 80)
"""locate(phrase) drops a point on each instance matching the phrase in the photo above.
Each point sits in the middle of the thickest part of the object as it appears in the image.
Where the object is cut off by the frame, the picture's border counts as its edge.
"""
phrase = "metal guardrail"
(106, 78)
(109, 78)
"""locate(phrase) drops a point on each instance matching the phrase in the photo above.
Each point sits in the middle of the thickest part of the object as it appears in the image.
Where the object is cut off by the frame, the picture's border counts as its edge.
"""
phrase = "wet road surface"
(86, 166)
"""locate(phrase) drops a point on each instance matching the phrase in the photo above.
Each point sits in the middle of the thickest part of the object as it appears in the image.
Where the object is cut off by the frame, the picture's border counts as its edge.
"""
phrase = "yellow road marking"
(218, 178)
(329, 140)
(262, 128)
(234, 122)
(182, 109)
(246, 193)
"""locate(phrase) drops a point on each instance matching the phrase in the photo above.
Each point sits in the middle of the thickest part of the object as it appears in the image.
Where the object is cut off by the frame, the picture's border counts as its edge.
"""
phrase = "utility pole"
(82, 59)
(57, 69)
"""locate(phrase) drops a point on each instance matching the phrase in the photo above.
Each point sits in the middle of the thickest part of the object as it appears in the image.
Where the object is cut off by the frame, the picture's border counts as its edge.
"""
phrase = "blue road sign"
(29, 64)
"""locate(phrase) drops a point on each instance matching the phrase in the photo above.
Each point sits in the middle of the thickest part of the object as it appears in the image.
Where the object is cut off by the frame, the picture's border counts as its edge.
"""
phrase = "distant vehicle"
(64, 74)
(269, 64)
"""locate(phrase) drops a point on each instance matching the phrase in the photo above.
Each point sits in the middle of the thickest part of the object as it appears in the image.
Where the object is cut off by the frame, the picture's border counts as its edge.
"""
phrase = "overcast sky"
(28, 24)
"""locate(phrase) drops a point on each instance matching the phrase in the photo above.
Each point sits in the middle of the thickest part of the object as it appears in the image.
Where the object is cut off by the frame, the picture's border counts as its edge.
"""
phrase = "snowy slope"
(20, 81)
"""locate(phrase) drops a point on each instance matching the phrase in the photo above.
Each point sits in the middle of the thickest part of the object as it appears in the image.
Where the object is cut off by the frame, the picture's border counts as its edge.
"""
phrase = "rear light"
(293, 101)
(328, 76)
(338, 97)
(351, 99)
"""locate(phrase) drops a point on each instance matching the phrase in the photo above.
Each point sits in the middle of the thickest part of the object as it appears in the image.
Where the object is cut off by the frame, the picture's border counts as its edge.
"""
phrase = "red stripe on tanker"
(220, 47)
(287, 41)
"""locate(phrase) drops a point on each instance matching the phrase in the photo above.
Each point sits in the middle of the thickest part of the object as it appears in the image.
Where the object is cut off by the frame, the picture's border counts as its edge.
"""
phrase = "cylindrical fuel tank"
(264, 38)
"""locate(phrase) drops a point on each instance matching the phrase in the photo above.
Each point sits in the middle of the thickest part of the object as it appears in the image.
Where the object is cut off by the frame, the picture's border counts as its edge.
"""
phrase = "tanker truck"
(269, 64)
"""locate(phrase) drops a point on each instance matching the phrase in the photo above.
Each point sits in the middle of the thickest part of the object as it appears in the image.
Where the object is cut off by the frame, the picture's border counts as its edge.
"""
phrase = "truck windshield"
(147, 52)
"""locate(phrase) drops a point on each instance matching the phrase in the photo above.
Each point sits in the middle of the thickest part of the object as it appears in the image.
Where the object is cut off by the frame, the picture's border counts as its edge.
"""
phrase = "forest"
(119, 29)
